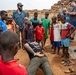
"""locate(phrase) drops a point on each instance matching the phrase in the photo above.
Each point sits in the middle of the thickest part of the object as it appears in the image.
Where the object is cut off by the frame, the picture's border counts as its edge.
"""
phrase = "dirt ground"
(55, 62)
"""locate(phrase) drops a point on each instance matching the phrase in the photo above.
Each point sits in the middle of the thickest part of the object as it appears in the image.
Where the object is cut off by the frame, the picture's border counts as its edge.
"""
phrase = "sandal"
(67, 63)
(62, 62)
(70, 70)
(67, 71)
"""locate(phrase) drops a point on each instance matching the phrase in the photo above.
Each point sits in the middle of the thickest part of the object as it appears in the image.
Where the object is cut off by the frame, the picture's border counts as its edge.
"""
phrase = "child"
(10, 26)
(66, 15)
(46, 25)
(39, 32)
(35, 20)
(29, 32)
(9, 23)
(65, 34)
(3, 17)
(26, 19)
(9, 47)
(59, 19)
(55, 35)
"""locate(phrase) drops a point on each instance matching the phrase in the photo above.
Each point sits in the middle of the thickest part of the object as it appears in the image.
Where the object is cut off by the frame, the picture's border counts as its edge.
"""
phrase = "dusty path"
(57, 67)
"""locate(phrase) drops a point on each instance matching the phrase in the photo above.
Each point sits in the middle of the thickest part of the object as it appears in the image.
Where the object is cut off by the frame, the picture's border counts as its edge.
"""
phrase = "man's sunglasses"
(21, 6)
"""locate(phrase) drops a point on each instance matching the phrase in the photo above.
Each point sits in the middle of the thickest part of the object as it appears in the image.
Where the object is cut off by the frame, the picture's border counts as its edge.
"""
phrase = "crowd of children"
(58, 27)
(60, 33)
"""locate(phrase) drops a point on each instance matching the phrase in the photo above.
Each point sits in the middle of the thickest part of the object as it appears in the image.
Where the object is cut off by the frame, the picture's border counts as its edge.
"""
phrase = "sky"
(28, 4)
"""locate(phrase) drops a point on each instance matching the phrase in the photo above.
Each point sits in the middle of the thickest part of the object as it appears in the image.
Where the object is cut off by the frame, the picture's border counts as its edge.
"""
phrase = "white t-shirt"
(57, 28)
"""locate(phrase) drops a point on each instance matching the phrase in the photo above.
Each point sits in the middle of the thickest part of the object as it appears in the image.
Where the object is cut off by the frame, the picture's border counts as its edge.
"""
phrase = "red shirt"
(51, 34)
(11, 68)
(39, 32)
(65, 30)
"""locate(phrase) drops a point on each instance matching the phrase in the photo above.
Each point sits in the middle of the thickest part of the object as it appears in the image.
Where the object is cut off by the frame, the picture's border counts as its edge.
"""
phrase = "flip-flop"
(62, 62)
(67, 63)
(70, 70)
(67, 71)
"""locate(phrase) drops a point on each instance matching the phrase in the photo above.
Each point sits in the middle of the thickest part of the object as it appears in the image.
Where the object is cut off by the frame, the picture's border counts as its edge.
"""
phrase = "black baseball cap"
(19, 4)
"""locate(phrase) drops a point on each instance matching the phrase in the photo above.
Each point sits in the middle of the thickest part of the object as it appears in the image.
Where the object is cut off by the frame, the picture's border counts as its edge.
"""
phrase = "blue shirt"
(67, 17)
(3, 25)
(19, 18)
(34, 22)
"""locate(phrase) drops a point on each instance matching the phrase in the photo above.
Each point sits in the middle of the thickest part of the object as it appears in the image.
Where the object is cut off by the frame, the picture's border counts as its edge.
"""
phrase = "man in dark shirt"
(18, 17)
(37, 59)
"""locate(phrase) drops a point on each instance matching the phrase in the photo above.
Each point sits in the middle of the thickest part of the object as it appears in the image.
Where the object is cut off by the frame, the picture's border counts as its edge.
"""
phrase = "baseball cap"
(71, 1)
(19, 4)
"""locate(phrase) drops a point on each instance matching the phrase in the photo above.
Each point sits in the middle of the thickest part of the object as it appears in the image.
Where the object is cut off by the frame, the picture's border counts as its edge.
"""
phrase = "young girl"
(55, 35)
(39, 32)
(65, 35)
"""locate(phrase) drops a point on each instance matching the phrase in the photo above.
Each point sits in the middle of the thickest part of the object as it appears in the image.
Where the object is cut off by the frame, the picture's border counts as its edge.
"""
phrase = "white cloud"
(28, 4)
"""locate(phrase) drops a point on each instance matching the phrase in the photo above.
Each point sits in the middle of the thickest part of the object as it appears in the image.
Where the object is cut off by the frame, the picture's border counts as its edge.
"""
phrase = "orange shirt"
(11, 68)
(10, 27)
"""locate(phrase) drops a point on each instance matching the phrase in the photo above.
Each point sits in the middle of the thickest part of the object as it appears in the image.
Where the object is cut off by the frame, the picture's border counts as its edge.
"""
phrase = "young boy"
(59, 19)
(9, 25)
(39, 32)
(35, 20)
(9, 47)
(65, 35)
(3, 15)
(26, 19)
(46, 25)
(55, 35)
(66, 15)
(29, 32)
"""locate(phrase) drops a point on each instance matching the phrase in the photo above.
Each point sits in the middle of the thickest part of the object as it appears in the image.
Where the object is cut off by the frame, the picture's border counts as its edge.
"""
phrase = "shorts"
(56, 44)
(65, 42)
(52, 42)
(73, 23)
